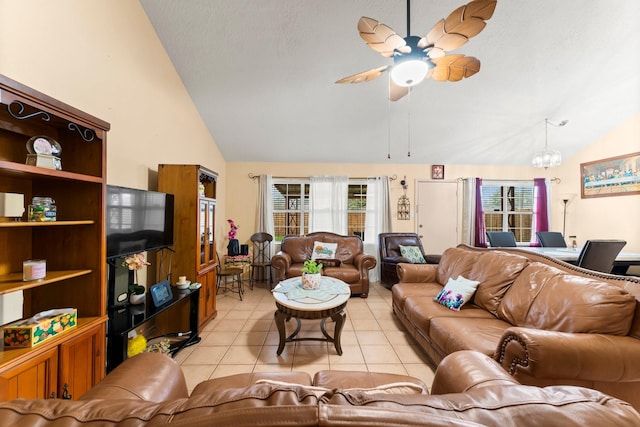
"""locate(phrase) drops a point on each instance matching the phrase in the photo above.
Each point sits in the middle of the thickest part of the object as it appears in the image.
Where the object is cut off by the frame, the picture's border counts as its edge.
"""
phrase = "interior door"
(437, 215)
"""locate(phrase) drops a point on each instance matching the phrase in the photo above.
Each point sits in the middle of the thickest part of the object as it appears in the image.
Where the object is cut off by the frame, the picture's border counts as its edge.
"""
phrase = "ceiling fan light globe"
(409, 73)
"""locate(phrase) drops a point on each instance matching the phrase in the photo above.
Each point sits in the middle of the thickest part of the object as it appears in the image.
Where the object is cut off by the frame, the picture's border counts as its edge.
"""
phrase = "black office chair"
(599, 255)
(501, 239)
(551, 239)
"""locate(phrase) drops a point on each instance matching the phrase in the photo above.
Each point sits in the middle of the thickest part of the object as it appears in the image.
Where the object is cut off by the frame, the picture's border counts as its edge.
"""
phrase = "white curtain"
(265, 205)
(328, 204)
(377, 219)
(468, 211)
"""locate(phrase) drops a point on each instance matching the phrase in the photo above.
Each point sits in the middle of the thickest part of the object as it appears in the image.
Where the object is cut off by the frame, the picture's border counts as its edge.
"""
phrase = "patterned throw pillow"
(456, 293)
(323, 250)
(412, 253)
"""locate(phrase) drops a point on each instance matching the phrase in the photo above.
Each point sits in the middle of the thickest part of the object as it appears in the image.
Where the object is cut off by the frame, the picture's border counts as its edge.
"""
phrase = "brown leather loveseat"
(469, 389)
(545, 321)
(352, 266)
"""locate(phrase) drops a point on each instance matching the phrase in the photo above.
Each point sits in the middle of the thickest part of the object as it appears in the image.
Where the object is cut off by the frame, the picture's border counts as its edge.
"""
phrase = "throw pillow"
(412, 253)
(323, 250)
(456, 293)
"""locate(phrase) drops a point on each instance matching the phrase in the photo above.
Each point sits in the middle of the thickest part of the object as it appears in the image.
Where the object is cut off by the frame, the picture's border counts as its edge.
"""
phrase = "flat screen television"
(137, 220)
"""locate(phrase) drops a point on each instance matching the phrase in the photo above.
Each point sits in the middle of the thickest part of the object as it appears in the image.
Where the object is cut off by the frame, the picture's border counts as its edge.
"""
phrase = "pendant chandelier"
(548, 158)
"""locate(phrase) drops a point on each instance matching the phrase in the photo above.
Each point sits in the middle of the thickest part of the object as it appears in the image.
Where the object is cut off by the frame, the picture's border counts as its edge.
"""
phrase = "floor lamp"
(564, 216)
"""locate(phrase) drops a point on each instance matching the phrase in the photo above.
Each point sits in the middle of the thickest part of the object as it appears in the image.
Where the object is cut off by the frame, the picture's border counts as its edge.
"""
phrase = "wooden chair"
(501, 239)
(599, 255)
(551, 239)
(224, 273)
(261, 259)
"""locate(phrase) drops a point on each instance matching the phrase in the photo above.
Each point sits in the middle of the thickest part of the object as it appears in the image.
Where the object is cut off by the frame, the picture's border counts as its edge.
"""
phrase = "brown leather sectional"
(469, 389)
(354, 263)
(545, 321)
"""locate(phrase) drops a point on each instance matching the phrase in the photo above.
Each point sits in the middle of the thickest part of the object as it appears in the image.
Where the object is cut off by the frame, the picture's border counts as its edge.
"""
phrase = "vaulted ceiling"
(262, 73)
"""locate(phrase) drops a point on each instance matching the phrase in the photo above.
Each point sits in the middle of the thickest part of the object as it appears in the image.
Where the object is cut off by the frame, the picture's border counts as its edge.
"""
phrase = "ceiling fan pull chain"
(389, 125)
(409, 145)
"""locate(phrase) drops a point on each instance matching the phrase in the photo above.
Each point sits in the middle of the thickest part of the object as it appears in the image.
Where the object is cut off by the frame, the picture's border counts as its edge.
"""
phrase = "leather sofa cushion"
(402, 291)
(480, 334)
(247, 379)
(495, 271)
(421, 309)
(544, 297)
(336, 379)
(455, 262)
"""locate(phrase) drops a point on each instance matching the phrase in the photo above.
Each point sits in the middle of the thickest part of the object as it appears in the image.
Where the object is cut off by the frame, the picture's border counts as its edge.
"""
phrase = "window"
(509, 207)
(291, 207)
(356, 207)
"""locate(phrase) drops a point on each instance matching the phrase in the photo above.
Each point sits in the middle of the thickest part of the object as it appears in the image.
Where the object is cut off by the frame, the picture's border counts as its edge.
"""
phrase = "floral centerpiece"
(136, 262)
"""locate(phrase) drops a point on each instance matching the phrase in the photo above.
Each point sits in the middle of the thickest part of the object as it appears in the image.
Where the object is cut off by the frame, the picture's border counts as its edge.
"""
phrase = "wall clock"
(437, 171)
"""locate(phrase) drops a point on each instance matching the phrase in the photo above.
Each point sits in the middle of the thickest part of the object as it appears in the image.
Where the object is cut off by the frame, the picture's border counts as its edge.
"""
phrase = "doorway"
(437, 215)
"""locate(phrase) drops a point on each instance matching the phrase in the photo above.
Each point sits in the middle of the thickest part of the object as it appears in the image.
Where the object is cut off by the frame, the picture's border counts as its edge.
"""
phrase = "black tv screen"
(137, 220)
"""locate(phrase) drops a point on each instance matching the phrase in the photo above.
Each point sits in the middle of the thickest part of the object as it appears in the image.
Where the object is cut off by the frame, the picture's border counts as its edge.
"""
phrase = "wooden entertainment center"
(71, 362)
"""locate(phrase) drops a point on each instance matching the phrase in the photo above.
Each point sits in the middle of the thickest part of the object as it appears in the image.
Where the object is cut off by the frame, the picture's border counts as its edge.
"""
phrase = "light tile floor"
(244, 338)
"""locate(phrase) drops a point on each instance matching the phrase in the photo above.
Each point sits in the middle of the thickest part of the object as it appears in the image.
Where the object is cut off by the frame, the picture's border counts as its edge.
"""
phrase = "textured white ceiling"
(262, 73)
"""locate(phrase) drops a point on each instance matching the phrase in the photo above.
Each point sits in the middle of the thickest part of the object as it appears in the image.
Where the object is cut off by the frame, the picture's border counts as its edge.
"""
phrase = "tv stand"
(175, 324)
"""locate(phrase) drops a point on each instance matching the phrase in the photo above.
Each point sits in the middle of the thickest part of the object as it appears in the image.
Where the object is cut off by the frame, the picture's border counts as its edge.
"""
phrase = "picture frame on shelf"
(437, 171)
(161, 293)
(613, 176)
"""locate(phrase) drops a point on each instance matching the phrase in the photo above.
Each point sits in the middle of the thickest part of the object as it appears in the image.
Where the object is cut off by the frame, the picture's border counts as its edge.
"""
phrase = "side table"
(239, 261)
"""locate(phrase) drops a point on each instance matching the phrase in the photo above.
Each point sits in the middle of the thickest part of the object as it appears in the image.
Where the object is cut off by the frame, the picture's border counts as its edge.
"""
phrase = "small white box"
(11, 204)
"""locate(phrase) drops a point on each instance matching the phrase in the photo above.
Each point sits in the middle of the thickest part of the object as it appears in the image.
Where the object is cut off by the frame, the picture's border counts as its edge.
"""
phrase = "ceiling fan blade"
(396, 92)
(381, 38)
(462, 24)
(365, 76)
(454, 68)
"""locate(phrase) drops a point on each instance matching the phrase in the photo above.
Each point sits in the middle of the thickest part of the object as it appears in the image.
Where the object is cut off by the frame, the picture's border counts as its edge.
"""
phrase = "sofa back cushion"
(455, 262)
(544, 297)
(297, 247)
(496, 271)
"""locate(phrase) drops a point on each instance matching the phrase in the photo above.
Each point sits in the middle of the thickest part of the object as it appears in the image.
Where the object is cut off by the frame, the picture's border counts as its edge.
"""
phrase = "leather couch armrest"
(560, 355)
(466, 370)
(152, 377)
(364, 262)
(281, 263)
(417, 273)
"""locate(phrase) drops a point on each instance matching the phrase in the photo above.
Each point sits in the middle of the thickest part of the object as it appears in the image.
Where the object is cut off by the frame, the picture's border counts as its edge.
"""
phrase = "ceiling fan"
(418, 58)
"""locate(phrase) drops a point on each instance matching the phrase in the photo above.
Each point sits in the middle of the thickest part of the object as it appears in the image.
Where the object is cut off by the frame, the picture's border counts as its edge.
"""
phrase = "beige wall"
(609, 217)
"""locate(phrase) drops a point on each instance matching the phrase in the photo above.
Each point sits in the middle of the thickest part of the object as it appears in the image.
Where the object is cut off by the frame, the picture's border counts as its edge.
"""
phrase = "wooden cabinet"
(73, 245)
(81, 362)
(194, 188)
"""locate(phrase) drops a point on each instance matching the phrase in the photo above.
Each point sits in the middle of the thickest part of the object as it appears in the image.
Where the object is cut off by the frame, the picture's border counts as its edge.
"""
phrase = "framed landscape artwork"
(615, 176)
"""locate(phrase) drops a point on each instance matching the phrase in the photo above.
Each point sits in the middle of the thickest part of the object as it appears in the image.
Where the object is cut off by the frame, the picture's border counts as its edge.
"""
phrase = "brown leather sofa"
(354, 264)
(469, 389)
(545, 321)
(390, 256)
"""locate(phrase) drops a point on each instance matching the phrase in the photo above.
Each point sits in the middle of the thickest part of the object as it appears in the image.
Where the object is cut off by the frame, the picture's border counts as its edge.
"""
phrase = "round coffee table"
(328, 301)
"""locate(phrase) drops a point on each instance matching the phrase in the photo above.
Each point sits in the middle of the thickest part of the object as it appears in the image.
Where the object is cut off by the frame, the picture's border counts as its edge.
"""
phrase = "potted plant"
(137, 293)
(311, 274)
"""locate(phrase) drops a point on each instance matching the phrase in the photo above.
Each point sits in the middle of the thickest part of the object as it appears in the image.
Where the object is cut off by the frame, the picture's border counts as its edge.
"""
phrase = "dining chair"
(501, 239)
(551, 239)
(599, 255)
(261, 257)
(224, 273)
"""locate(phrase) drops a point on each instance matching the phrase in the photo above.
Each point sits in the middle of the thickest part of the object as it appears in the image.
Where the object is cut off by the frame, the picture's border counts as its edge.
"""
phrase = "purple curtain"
(480, 232)
(540, 209)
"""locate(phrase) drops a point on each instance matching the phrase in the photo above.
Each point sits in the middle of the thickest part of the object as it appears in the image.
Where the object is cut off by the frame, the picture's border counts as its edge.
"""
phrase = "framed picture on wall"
(615, 176)
(437, 171)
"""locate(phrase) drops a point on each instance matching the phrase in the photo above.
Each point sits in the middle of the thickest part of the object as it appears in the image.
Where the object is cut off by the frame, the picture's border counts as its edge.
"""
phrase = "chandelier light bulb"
(409, 73)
